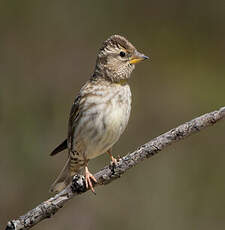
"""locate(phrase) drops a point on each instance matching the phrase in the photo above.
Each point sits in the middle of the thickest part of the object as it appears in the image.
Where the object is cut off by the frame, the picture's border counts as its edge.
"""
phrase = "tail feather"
(63, 179)
(59, 148)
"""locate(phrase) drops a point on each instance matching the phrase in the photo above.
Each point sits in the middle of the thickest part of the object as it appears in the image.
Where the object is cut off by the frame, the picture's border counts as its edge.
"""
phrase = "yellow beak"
(137, 57)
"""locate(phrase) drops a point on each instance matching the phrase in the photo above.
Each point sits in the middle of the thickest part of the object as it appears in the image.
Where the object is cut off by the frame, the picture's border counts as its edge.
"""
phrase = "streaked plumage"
(101, 110)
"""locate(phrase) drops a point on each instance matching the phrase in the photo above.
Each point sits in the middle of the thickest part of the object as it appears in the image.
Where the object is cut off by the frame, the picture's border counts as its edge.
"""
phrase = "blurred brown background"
(48, 50)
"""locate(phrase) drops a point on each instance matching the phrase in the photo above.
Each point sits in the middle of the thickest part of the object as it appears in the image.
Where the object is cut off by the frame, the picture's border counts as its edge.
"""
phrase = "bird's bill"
(137, 57)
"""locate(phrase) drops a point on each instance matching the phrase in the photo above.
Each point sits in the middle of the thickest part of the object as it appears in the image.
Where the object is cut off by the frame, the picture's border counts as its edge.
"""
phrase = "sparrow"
(100, 112)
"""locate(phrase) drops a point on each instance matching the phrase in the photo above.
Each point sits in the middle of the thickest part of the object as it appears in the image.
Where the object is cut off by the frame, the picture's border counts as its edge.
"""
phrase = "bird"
(100, 112)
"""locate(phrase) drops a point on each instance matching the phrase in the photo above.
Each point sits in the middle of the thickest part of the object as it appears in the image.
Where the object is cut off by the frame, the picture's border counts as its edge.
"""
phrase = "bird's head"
(117, 58)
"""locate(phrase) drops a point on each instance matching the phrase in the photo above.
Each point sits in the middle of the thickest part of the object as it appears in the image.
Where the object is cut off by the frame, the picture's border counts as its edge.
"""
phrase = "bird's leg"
(113, 160)
(88, 178)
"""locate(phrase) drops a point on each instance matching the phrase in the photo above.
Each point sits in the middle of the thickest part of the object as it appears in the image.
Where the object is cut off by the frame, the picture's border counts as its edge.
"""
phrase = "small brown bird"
(101, 110)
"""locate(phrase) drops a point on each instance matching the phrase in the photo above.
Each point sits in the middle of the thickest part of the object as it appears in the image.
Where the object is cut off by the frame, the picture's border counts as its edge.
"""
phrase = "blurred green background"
(48, 50)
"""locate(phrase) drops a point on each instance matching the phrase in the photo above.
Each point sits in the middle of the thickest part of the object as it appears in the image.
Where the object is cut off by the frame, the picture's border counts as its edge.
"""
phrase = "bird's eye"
(122, 54)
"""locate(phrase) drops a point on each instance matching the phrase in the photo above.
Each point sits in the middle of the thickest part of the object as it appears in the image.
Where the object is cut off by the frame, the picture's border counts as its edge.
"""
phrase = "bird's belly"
(110, 127)
(103, 124)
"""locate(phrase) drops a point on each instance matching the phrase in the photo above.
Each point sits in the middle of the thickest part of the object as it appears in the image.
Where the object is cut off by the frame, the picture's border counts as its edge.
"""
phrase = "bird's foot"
(113, 160)
(88, 180)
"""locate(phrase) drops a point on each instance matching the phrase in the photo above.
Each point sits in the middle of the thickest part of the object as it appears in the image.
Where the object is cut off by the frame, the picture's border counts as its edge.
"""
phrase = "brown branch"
(110, 172)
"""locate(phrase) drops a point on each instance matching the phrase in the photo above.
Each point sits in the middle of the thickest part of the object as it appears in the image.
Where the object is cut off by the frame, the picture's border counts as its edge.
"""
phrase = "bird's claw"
(88, 180)
(113, 161)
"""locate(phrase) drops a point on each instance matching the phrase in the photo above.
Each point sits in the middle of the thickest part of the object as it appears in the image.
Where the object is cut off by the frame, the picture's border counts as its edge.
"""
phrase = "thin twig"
(111, 172)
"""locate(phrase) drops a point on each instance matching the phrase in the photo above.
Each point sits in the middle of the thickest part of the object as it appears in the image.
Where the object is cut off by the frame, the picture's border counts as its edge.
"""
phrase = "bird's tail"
(63, 179)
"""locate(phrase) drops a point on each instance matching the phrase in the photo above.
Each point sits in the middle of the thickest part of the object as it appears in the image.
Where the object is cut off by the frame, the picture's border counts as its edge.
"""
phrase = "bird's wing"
(73, 116)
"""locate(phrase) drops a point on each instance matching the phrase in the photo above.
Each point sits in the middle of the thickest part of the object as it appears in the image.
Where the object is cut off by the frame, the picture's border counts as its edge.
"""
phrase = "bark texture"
(111, 172)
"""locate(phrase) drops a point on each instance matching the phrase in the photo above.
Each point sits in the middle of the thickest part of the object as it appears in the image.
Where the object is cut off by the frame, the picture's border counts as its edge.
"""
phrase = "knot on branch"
(10, 226)
(78, 184)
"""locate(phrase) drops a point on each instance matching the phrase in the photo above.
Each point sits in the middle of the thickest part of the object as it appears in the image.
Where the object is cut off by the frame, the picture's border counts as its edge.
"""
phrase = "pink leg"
(114, 161)
(88, 179)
